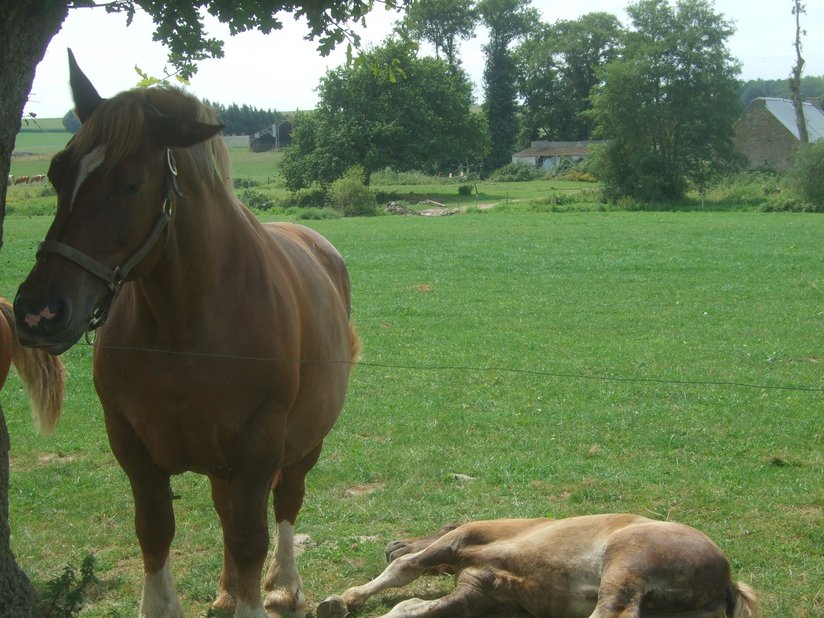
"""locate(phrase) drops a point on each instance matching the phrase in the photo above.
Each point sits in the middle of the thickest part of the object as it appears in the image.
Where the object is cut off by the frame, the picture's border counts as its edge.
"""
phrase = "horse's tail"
(42, 373)
(354, 344)
(742, 601)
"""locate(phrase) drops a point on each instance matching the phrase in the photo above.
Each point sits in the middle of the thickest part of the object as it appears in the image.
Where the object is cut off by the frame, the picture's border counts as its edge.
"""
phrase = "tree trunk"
(26, 28)
(795, 79)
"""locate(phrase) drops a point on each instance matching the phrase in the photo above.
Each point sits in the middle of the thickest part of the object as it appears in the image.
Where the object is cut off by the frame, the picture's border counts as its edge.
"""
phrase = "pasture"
(515, 365)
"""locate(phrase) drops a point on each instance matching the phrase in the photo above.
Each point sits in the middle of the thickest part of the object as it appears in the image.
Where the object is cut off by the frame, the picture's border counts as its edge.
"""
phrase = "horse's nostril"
(40, 316)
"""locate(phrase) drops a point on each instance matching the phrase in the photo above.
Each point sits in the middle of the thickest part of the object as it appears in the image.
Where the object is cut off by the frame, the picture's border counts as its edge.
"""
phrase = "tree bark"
(26, 28)
(795, 79)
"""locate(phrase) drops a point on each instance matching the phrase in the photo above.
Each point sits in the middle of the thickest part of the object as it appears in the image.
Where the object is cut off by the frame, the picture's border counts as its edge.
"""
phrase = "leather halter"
(114, 277)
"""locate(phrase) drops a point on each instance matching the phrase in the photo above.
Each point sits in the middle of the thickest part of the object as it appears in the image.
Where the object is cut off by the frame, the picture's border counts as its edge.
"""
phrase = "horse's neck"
(206, 240)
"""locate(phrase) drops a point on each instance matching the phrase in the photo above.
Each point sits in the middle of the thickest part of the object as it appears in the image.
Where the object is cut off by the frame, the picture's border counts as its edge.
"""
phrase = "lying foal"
(595, 566)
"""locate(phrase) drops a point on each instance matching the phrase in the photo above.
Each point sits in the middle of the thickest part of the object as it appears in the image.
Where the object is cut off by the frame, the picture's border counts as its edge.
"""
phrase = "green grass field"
(515, 364)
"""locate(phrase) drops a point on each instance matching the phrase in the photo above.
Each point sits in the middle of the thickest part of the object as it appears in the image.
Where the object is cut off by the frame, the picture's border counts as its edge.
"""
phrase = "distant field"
(34, 149)
(42, 124)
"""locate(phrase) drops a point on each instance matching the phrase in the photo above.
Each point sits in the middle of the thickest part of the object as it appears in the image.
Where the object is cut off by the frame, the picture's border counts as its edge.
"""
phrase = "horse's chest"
(187, 418)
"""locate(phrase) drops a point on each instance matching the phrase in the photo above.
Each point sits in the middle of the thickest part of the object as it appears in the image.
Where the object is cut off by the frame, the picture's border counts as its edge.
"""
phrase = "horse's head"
(115, 183)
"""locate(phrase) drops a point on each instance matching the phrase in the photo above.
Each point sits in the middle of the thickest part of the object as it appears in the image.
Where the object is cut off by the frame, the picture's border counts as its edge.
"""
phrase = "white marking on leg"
(159, 595)
(247, 611)
(88, 164)
(283, 580)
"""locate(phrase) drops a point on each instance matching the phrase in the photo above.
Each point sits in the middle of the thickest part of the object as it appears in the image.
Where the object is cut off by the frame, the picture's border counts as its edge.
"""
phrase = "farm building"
(551, 155)
(767, 133)
(272, 138)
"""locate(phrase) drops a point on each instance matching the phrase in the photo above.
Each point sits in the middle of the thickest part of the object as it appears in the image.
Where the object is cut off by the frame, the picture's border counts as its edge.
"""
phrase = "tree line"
(662, 92)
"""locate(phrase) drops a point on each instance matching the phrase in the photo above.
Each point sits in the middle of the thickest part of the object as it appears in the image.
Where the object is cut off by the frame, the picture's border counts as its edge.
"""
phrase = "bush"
(256, 199)
(317, 214)
(808, 172)
(351, 196)
(465, 190)
(516, 172)
(244, 183)
(309, 197)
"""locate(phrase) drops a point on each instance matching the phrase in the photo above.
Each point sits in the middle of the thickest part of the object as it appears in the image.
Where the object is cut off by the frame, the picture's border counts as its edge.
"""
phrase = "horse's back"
(321, 250)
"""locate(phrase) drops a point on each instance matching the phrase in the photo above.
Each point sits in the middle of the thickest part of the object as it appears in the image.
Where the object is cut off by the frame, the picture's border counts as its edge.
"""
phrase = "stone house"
(767, 133)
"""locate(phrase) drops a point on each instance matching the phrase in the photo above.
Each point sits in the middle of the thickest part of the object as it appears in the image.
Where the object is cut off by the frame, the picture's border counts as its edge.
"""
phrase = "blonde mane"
(119, 123)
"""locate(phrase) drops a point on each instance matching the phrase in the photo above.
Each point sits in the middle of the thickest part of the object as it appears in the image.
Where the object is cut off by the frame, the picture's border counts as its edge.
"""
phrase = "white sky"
(281, 71)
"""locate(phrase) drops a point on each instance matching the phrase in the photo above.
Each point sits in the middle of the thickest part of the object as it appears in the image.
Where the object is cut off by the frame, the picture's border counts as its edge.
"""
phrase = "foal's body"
(595, 566)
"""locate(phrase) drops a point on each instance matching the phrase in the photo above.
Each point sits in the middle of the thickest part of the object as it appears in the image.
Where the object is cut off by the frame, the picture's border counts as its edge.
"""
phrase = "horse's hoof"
(283, 604)
(332, 607)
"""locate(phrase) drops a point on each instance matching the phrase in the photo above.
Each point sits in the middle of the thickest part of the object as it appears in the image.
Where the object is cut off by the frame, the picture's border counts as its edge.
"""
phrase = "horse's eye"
(133, 188)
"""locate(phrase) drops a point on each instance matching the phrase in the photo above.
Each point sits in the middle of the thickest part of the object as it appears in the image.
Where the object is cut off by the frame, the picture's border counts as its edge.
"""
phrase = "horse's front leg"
(154, 524)
(242, 506)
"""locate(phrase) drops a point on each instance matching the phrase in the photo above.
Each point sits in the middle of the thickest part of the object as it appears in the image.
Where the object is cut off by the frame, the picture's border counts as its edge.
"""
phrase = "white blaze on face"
(88, 164)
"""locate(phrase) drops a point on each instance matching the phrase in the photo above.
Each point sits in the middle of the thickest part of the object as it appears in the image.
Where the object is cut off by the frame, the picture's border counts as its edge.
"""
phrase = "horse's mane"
(119, 123)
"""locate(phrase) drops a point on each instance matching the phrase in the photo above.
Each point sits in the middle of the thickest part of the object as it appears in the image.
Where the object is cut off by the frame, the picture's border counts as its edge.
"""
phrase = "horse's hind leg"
(283, 584)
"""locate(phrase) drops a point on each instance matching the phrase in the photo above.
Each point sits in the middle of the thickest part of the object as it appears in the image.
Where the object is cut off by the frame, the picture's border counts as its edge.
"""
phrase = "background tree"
(443, 23)
(412, 115)
(558, 67)
(507, 21)
(811, 86)
(795, 77)
(668, 103)
(26, 28)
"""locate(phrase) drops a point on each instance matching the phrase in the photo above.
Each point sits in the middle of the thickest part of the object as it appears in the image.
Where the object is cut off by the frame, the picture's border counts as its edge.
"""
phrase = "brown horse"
(593, 566)
(227, 345)
(41, 373)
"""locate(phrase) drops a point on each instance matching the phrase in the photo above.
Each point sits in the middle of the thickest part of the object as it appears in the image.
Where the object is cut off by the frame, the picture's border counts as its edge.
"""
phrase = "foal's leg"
(620, 593)
(283, 584)
(470, 597)
(400, 572)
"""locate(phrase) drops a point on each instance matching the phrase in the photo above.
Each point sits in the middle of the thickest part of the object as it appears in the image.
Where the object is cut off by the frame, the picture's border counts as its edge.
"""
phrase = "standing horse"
(227, 345)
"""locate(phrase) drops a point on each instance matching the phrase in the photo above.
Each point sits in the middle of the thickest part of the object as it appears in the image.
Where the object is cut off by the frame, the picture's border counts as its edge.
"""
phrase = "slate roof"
(784, 111)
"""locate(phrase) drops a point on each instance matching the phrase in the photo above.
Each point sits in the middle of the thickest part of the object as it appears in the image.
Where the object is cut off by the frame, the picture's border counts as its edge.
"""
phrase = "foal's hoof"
(332, 607)
(396, 549)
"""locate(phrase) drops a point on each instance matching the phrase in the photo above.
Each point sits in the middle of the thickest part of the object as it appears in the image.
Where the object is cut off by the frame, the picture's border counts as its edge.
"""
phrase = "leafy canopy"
(507, 21)
(558, 67)
(443, 23)
(388, 109)
(180, 24)
(668, 103)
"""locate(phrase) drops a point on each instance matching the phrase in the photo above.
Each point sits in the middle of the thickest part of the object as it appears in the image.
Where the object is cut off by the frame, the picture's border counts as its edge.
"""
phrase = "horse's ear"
(85, 96)
(180, 133)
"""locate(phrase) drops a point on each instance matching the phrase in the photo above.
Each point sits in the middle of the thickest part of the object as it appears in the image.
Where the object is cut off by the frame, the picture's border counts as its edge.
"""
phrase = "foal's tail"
(42, 373)
(742, 601)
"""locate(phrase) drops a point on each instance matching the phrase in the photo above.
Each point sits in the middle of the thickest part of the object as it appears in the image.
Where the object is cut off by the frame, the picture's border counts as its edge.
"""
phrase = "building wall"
(764, 140)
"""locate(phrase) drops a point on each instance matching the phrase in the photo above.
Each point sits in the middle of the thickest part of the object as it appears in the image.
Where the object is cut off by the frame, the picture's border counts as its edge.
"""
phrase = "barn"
(552, 155)
(767, 133)
(275, 137)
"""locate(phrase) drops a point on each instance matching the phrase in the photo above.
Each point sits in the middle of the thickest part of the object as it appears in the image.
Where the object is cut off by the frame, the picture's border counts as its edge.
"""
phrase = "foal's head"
(116, 183)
